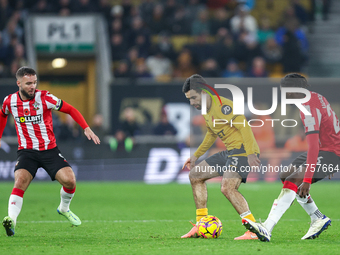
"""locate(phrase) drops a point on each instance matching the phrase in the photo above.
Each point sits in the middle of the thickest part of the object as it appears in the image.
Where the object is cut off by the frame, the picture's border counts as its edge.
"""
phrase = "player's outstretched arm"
(312, 158)
(3, 121)
(248, 140)
(76, 115)
(208, 141)
(91, 136)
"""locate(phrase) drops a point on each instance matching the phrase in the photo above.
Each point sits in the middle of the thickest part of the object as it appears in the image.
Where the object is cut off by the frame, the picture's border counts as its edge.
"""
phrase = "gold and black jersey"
(233, 136)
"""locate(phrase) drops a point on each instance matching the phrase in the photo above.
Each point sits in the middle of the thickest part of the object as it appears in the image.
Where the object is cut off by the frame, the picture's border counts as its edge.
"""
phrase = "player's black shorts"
(51, 160)
(327, 164)
(227, 161)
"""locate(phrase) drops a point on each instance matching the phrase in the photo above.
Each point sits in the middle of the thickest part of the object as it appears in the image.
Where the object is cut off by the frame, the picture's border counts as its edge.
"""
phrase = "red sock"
(290, 185)
(70, 191)
(18, 192)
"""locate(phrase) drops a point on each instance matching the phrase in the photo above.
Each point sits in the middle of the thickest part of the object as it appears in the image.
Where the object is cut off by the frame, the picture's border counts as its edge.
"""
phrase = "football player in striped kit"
(32, 111)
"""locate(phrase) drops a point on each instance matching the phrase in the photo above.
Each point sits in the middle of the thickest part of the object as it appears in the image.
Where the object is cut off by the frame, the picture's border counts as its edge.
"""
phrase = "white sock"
(268, 224)
(273, 207)
(15, 204)
(284, 201)
(66, 196)
(310, 208)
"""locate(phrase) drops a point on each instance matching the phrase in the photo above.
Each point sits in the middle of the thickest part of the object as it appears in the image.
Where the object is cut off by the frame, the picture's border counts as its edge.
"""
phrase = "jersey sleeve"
(207, 142)
(53, 102)
(311, 122)
(312, 156)
(250, 144)
(75, 114)
(5, 106)
(3, 115)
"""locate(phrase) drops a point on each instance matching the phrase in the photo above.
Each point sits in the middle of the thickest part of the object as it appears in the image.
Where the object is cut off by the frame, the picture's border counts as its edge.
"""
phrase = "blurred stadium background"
(122, 63)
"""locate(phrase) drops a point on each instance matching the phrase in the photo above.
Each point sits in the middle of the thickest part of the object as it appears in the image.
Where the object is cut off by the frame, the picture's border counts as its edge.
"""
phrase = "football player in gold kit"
(233, 164)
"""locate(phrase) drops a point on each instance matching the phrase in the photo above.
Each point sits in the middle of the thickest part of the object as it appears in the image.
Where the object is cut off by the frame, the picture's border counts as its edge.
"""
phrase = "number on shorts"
(319, 160)
(234, 161)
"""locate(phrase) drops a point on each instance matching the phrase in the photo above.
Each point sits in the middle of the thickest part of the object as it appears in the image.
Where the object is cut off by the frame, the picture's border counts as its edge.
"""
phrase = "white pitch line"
(100, 221)
(133, 221)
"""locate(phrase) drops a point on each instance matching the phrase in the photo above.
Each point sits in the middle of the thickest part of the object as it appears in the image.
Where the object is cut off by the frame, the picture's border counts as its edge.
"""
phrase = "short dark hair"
(195, 82)
(294, 80)
(25, 70)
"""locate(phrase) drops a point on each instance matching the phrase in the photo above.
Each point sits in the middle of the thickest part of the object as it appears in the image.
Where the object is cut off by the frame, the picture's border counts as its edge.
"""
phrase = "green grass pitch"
(135, 218)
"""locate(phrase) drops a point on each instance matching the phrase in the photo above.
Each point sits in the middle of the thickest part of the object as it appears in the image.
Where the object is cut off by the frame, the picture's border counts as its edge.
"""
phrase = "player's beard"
(27, 95)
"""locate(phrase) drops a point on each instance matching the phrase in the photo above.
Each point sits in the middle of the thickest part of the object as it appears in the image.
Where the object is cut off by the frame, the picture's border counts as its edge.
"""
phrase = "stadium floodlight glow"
(59, 63)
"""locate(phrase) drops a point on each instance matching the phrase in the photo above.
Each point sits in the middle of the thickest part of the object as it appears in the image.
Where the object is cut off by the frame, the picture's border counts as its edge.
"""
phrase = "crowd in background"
(224, 39)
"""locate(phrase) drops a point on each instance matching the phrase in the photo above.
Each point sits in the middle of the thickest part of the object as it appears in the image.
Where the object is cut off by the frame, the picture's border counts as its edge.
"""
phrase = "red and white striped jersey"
(33, 119)
(323, 121)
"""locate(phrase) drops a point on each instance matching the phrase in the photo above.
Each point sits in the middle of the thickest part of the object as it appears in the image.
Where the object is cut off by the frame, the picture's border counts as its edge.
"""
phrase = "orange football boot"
(247, 236)
(192, 233)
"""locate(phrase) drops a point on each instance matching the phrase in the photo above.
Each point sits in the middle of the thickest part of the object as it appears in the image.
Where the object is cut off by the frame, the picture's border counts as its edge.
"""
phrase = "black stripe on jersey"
(312, 132)
(61, 104)
(235, 116)
(4, 112)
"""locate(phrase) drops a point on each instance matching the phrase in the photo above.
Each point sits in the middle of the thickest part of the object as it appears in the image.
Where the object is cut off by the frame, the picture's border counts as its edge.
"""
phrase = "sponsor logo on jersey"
(221, 134)
(57, 106)
(226, 109)
(36, 119)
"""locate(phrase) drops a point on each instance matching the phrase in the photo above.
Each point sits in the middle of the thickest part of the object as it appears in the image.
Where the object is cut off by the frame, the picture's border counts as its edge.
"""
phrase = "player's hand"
(190, 162)
(253, 160)
(303, 190)
(91, 136)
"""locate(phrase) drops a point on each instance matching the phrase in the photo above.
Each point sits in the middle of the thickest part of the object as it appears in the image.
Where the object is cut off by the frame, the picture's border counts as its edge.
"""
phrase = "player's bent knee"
(195, 178)
(21, 183)
(296, 181)
(226, 190)
(22, 179)
(284, 174)
(66, 177)
(282, 177)
(69, 183)
(195, 175)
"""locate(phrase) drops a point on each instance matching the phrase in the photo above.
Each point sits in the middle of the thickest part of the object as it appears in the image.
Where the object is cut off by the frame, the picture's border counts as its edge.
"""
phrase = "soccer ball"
(209, 227)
